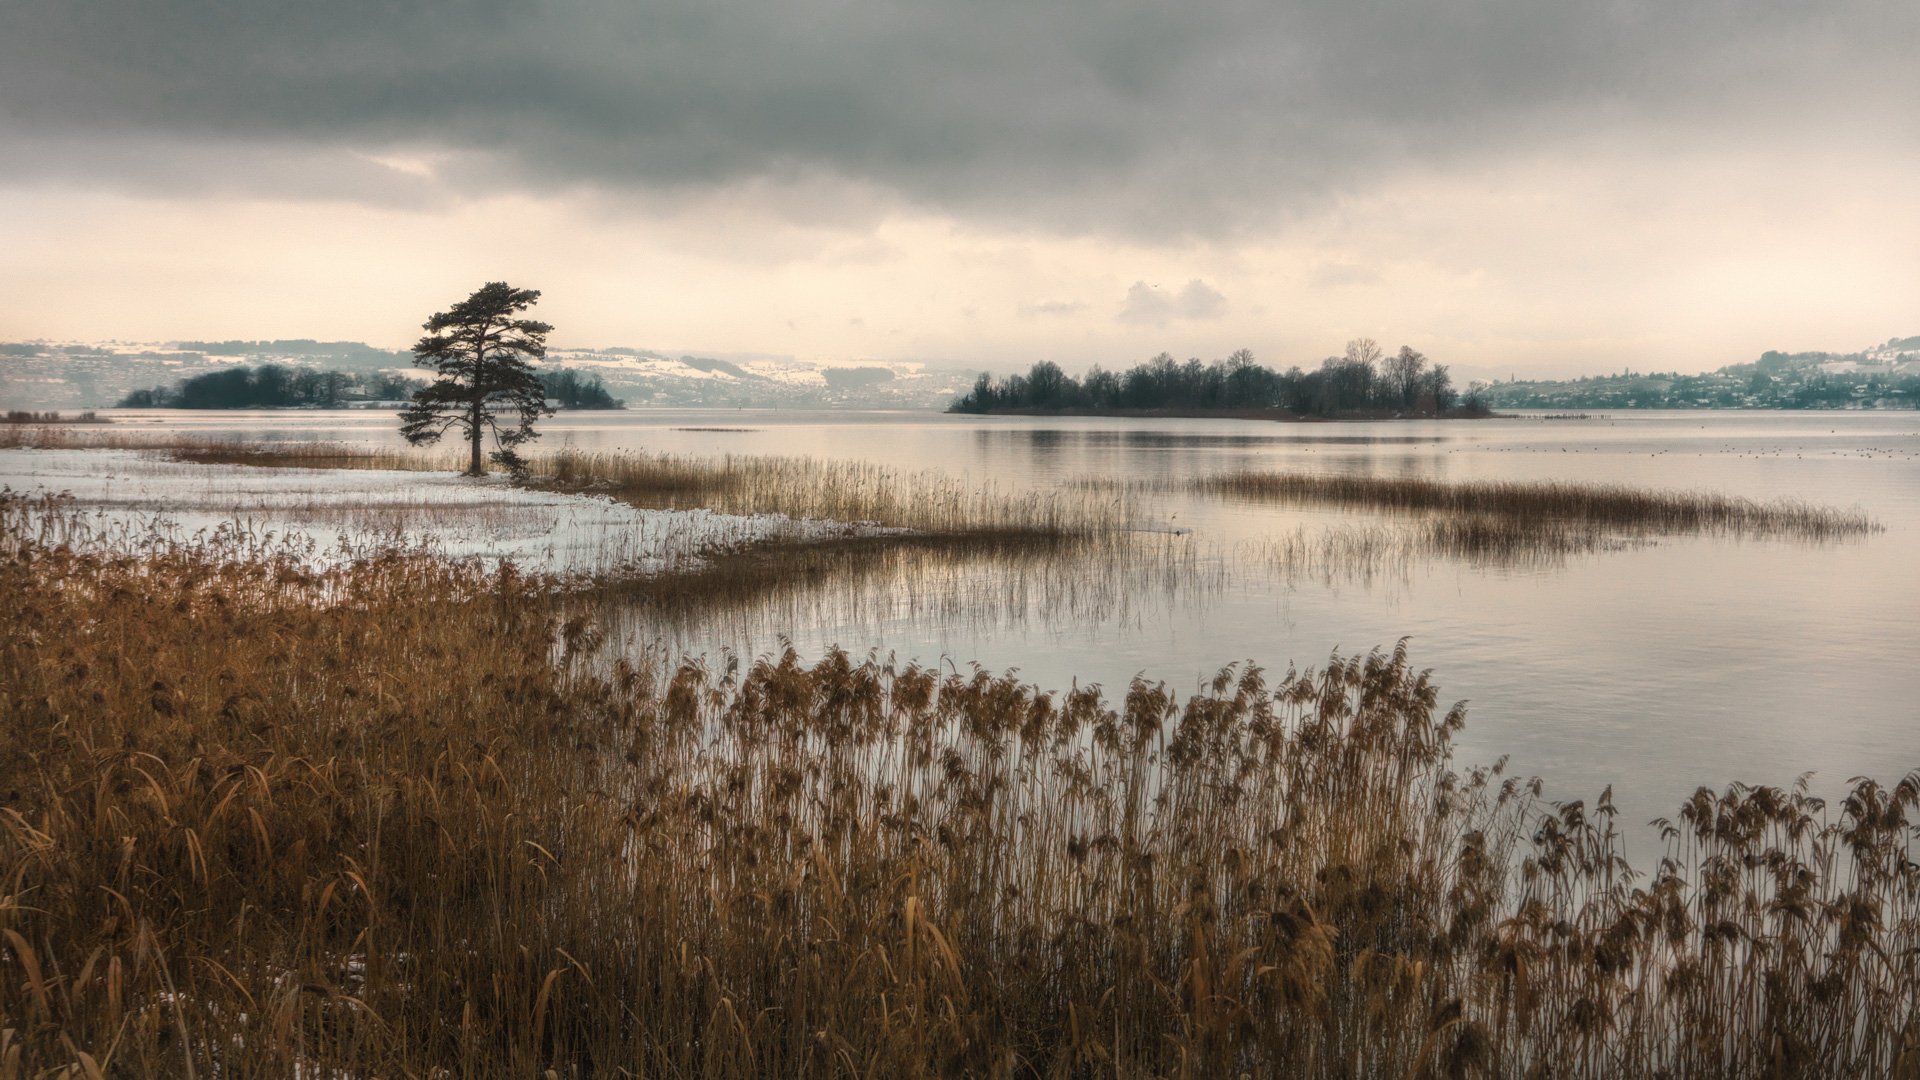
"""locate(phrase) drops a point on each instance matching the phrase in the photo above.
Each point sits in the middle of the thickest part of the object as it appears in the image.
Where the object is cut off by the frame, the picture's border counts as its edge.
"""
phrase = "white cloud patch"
(1053, 308)
(1150, 305)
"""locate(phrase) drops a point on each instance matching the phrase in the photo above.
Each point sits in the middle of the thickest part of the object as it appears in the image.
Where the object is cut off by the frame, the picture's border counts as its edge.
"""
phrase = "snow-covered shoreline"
(332, 514)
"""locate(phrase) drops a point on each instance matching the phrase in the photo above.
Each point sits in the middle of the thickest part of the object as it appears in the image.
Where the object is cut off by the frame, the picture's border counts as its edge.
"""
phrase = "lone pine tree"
(487, 383)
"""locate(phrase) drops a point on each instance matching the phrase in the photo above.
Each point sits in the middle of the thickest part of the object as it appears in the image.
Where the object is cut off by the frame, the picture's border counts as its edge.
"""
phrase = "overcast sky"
(1529, 186)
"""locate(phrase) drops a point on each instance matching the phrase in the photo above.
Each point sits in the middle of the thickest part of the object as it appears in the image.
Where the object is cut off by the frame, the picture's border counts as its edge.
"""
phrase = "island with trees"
(1363, 383)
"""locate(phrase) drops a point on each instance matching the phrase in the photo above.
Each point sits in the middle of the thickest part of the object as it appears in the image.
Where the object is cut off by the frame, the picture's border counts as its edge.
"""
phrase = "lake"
(1655, 667)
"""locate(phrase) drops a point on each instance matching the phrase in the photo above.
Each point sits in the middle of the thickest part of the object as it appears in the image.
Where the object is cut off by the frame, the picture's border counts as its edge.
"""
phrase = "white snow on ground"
(338, 512)
(641, 365)
(790, 373)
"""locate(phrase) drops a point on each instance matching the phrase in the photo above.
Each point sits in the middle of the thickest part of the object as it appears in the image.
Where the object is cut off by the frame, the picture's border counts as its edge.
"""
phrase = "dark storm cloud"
(1144, 115)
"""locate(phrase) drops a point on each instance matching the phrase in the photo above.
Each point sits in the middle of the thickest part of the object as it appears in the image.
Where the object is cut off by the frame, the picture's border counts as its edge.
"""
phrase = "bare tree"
(1402, 375)
(1364, 350)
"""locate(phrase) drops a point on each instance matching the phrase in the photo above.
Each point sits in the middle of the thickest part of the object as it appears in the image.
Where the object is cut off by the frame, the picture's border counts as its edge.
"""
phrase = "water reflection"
(1049, 438)
(873, 590)
(867, 589)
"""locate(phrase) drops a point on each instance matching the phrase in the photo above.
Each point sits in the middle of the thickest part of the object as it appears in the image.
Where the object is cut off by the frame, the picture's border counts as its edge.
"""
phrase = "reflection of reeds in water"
(867, 587)
(1504, 541)
(1366, 553)
(1503, 512)
(383, 821)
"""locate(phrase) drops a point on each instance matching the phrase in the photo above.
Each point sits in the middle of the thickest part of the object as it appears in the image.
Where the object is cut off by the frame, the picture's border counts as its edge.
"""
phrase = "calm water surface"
(1655, 668)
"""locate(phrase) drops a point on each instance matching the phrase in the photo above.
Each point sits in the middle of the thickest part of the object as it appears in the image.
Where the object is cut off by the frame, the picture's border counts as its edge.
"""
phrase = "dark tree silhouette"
(1363, 381)
(272, 386)
(482, 354)
(572, 390)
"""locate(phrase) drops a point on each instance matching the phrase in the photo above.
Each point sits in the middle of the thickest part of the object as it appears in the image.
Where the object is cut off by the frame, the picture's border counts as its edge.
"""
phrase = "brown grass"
(1519, 506)
(388, 821)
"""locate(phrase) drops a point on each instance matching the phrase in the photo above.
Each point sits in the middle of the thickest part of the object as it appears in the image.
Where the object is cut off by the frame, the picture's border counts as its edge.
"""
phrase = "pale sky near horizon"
(1531, 187)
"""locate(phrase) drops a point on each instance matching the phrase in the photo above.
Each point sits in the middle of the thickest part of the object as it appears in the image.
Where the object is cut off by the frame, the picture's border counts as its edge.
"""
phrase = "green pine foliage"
(484, 355)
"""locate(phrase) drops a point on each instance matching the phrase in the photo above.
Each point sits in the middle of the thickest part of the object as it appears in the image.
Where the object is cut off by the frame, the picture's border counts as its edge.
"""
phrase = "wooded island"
(1364, 383)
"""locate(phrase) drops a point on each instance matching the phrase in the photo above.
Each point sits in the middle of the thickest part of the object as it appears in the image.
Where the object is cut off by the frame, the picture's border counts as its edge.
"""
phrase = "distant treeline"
(273, 386)
(1363, 381)
(1775, 381)
(277, 386)
(28, 416)
(568, 389)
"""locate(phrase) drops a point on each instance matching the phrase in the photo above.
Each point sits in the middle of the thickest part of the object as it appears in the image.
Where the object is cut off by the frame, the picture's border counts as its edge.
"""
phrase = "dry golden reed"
(850, 491)
(392, 820)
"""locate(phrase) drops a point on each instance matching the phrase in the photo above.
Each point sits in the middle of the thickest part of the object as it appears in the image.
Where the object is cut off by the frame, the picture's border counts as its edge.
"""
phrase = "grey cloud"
(1141, 115)
(232, 168)
(1149, 305)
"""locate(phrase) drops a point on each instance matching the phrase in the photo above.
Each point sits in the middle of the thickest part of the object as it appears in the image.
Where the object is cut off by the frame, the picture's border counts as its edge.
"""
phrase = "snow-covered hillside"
(88, 374)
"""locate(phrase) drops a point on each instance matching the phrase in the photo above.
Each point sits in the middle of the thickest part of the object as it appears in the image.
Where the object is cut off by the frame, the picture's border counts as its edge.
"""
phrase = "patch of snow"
(659, 367)
(333, 514)
(792, 374)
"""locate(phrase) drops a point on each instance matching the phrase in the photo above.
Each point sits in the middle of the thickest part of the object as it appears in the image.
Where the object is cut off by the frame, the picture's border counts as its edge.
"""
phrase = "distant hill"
(1885, 376)
(86, 374)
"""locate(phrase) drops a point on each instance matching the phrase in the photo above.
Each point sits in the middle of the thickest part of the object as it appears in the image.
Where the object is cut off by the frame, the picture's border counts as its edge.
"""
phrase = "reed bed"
(849, 491)
(797, 487)
(310, 455)
(1516, 506)
(389, 820)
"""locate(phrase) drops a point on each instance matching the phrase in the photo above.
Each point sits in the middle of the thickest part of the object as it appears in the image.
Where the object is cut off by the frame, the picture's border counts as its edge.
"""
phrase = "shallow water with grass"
(1651, 658)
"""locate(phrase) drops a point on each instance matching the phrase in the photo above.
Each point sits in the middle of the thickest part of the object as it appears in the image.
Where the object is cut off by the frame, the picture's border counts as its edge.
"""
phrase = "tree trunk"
(475, 468)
